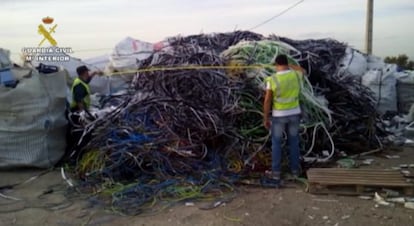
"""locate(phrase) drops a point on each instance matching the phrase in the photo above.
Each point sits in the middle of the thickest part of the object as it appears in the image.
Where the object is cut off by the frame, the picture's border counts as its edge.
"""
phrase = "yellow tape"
(152, 69)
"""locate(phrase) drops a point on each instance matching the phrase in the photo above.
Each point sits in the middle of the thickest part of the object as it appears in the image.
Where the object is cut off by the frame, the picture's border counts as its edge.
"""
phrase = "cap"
(82, 69)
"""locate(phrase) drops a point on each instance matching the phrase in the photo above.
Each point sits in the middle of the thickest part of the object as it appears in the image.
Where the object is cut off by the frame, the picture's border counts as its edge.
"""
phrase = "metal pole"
(369, 25)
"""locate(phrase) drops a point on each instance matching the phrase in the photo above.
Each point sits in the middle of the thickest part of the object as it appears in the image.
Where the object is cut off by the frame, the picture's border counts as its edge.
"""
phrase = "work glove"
(86, 118)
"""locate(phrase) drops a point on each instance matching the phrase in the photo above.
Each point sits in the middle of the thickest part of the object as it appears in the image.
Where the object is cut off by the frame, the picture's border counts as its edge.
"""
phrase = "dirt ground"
(252, 206)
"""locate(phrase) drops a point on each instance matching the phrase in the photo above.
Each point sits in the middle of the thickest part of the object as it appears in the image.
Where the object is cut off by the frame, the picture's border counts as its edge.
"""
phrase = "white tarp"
(98, 62)
(128, 53)
(32, 120)
(383, 84)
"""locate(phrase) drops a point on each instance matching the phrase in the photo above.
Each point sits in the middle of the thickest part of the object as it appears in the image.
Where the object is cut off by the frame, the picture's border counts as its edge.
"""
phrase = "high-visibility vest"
(86, 99)
(286, 89)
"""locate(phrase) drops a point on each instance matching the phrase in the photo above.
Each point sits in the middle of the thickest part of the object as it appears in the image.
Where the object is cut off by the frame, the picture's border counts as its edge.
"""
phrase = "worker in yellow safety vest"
(81, 101)
(282, 96)
(81, 91)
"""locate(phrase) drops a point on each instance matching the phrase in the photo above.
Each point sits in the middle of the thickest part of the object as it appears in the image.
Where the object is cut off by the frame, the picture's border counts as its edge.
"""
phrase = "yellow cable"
(235, 166)
(234, 219)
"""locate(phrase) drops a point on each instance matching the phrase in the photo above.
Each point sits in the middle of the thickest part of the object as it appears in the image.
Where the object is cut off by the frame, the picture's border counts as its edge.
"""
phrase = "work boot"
(273, 175)
(271, 180)
(292, 177)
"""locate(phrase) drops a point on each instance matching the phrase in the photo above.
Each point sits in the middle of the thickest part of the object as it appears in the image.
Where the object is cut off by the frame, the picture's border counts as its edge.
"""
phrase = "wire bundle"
(194, 132)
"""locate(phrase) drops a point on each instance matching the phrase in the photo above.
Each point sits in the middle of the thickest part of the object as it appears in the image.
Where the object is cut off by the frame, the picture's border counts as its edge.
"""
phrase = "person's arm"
(297, 68)
(96, 73)
(80, 105)
(267, 105)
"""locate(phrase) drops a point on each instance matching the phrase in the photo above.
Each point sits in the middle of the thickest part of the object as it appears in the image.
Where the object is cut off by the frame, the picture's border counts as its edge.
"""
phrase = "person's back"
(80, 90)
(285, 86)
(282, 96)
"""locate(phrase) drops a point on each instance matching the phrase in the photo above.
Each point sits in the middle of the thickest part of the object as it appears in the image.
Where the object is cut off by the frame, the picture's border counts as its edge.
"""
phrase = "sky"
(93, 27)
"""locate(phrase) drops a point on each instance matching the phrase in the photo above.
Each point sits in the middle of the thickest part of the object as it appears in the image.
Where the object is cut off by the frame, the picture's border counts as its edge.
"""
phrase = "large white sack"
(383, 84)
(405, 90)
(406, 77)
(5, 61)
(32, 120)
(354, 63)
(375, 63)
(410, 114)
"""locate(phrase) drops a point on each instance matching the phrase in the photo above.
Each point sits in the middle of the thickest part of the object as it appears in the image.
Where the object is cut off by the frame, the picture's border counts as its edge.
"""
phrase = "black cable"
(277, 15)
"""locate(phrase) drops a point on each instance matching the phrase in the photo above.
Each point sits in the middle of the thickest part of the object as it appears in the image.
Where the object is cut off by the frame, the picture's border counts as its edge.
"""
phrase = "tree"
(401, 60)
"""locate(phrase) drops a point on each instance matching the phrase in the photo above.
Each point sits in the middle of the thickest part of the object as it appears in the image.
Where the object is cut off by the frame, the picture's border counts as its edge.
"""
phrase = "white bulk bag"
(353, 64)
(32, 120)
(383, 84)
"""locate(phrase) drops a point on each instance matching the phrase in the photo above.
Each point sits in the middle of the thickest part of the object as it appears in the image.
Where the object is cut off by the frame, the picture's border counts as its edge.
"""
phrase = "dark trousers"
(74, 133)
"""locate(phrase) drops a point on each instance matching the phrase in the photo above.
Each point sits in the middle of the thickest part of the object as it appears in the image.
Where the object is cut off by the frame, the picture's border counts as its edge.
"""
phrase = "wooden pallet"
(356, 181)
(408, 173)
